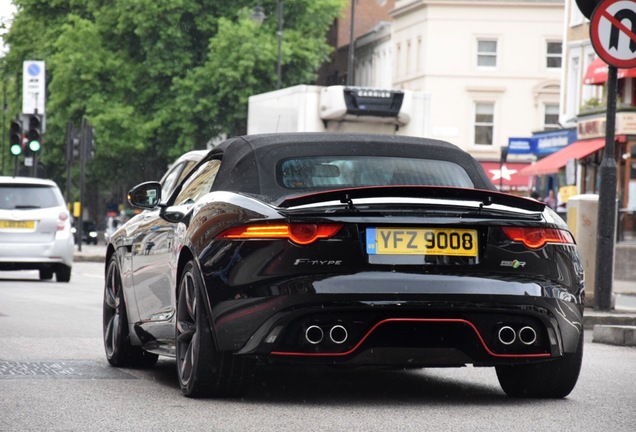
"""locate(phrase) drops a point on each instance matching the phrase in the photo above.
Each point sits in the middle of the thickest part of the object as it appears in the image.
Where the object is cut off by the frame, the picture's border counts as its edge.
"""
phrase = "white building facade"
(492, 68)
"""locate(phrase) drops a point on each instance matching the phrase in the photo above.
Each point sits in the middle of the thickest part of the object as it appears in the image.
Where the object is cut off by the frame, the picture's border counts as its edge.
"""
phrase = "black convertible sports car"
(343, 250)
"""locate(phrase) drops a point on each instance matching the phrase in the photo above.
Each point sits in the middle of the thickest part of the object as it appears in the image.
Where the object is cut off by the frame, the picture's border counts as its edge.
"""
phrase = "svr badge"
(513, 264)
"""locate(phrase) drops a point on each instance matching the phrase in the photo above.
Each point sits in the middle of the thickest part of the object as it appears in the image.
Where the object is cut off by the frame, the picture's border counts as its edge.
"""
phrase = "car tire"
(46, 274)
(552, 379)
(202, 370)
(63, 273)
(119, 351)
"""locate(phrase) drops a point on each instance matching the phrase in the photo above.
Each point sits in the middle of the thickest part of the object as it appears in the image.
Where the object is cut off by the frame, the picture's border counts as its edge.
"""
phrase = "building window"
(554, 53)
(484, 122)
(487, 53)
(551, 117)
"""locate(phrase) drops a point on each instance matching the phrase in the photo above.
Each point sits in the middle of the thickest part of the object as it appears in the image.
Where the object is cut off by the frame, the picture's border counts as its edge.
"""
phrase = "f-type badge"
(310, 262)
(513, 264)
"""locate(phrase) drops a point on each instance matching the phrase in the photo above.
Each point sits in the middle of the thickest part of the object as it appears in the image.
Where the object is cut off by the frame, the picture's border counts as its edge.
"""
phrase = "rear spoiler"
(487, 197)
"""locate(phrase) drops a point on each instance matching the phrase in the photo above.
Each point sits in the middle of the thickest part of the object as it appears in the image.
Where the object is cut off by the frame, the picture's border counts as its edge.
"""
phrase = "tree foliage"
(156, 78)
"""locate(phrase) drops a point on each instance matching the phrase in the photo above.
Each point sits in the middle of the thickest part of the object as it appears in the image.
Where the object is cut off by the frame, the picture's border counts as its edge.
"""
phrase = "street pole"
(502, 160)
(279, 61)
(82, 154)
(70, 133)
(350, 70)
(4, 114)
(606, 231)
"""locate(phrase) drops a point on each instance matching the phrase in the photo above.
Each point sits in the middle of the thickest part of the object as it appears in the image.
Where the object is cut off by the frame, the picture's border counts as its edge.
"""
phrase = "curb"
(592, 318)
(88, 258)
(614, 327)
(615, 335)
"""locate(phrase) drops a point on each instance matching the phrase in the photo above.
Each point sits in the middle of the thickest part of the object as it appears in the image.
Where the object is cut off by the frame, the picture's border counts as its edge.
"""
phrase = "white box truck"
(306, 108)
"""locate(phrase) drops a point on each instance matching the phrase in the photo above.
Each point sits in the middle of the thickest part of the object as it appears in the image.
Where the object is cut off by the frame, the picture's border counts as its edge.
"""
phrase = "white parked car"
(35, 228)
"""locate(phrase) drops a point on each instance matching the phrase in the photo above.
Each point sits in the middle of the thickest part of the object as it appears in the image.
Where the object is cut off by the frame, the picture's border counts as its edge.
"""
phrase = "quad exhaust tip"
(526, 335)
(337, 334)
(507, 335)
(314, 334)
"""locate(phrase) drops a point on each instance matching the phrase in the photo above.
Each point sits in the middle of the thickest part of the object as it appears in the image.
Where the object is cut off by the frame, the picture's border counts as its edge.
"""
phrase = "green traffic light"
(16, 149)
(34, 146)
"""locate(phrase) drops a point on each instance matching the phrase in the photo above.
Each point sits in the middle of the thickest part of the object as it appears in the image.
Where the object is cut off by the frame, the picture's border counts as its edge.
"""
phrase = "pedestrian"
(551, 200)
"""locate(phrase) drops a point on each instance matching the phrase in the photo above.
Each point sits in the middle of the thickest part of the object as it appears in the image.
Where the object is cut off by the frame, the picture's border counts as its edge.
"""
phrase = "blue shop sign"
(542, 144)
(522, 145)
(550, 142)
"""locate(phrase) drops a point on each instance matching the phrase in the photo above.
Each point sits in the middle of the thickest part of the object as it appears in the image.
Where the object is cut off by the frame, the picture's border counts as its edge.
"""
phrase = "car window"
(174, 176)
(170, 180)
(321, 172)
(28, 196)
(199, 183)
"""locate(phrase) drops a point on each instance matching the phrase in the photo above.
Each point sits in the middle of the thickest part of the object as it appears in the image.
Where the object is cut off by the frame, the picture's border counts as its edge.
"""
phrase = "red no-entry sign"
(613, 32)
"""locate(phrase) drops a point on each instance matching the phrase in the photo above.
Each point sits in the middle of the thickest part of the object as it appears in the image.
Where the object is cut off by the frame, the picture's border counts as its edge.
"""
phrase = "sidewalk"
(615, 327)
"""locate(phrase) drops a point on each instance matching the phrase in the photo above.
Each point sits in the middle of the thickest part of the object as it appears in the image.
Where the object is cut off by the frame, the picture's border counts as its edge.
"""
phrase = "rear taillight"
(61, 221)
(301, 234)
(537, 237)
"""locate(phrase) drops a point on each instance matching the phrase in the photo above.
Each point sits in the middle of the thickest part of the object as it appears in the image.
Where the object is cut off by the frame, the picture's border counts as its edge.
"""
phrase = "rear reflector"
(535, 238)
(301, 234)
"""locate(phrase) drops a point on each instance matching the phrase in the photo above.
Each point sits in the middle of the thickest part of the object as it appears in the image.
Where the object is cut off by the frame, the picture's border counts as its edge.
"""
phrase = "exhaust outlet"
(527, 335)
(507, 335)
(338, 334)
(314, 334)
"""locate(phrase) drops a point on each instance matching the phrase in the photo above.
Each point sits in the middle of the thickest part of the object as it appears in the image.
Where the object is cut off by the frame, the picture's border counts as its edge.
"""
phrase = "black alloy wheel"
(203, 370)
(551, 379)
(119, 351)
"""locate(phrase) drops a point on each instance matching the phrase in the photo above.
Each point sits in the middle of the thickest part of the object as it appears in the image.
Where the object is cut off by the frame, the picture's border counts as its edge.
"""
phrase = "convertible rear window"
(327, 172)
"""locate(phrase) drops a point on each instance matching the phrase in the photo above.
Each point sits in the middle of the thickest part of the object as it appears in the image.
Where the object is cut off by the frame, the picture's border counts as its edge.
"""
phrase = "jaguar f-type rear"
(343, 251)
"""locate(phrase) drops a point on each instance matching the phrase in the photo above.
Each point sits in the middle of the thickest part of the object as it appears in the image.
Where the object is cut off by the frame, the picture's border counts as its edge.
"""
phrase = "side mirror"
(145, 195)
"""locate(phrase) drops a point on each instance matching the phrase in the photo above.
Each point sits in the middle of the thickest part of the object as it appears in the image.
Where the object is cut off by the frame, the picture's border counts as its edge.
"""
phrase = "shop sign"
(522, 145)
(595, 127)
(543, 143)
(548, 143)
(626, 123)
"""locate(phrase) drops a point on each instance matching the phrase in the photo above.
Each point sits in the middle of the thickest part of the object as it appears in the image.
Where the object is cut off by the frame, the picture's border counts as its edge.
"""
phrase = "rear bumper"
(447, 321)
(21, 256)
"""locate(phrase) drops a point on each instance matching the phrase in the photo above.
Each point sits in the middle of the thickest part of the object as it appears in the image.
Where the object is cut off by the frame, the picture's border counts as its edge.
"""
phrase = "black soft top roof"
(250, 162)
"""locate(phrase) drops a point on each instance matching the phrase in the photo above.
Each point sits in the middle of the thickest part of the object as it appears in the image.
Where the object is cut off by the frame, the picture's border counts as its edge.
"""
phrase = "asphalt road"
(54, 377)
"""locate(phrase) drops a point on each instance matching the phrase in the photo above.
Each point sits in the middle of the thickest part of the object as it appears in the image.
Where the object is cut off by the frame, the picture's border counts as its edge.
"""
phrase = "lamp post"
(502, 160)
(258, 15)
(279, 33)
(350, 63)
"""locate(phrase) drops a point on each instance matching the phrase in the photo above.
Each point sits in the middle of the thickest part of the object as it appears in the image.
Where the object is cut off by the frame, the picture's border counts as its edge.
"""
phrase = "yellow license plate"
(17, 224)
(422, 241)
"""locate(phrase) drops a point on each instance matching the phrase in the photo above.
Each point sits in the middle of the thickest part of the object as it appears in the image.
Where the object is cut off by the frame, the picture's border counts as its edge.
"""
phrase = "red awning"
(551, 164)
(508, 173)
(596, 73)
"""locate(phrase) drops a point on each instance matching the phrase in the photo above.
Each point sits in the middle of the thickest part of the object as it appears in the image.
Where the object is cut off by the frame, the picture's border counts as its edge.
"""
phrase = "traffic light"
(587, 7)
(34, 134)
(15, 137)
(75, 149)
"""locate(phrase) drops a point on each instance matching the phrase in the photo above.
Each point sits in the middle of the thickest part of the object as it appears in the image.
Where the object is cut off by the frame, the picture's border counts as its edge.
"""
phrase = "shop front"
(576, 167)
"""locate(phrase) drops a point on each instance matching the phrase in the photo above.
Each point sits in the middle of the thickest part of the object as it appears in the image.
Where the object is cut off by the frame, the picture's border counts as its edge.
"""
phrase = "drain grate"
(59, 370)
